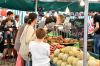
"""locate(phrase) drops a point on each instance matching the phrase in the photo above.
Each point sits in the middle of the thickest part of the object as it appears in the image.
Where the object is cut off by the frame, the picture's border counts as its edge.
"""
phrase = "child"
(8, 24)
(40, 51)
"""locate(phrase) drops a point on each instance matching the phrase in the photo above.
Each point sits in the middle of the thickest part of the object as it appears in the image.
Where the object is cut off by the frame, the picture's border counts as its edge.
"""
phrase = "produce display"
(59, 39)
(69, 56)
(53, 47)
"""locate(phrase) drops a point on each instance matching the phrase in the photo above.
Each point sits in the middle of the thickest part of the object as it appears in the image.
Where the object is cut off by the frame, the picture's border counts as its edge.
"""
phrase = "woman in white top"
(27, 36)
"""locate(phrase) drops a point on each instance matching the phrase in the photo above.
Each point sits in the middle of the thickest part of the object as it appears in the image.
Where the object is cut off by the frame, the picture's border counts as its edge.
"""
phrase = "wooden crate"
(89, 44)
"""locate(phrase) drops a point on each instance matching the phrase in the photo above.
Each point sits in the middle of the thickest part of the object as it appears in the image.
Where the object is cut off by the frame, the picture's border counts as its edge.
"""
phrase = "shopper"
(27, 36)
(40, 51)
(20, 61)
(96, 31)
(9, 46)
(17, 23)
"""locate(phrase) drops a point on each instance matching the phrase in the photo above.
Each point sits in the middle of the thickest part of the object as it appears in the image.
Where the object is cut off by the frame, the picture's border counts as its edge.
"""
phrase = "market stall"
(60, 54)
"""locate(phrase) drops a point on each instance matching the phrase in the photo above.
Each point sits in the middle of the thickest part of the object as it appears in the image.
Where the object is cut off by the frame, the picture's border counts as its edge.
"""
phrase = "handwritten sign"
(77, 26)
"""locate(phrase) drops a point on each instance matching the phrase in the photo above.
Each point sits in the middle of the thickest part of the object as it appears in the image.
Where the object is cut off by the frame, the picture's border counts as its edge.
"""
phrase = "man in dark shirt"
(8, 48)
(96, 31)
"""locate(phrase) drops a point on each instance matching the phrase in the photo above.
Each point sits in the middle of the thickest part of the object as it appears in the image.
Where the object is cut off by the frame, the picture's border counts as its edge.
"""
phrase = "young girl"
(8, 24)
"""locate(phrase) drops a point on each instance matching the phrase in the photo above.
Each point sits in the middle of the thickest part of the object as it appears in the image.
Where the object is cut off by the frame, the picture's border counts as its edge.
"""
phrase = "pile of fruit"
(71, 57)
(53, 47)
(59, 40)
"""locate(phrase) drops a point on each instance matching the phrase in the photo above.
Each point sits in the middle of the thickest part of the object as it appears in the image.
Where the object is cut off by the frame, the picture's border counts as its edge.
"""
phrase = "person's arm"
(3, 29)
(96, 28)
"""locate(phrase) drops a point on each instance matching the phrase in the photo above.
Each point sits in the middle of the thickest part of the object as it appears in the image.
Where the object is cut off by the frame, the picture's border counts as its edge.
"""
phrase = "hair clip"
(30, 19)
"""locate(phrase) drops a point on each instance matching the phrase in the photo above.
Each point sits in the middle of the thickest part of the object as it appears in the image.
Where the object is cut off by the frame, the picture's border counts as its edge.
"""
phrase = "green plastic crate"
(52, 64)
(96, 56)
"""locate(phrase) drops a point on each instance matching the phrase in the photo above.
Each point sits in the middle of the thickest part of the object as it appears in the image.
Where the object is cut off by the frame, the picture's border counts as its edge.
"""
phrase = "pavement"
(10, 62)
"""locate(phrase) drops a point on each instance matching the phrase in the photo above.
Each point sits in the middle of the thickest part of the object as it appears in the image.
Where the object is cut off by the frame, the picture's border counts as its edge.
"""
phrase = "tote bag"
(24, 48)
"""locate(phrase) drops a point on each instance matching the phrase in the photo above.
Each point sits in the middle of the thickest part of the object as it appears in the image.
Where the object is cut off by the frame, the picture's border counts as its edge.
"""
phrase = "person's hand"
(17, 28)
(5, 26)
(10, 29)
(8, 32)
(91, 33)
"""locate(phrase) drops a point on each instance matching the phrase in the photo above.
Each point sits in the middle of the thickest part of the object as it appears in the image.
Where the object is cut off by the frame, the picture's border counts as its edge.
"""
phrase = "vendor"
(96, 31)
(49, 23)
(60, 21)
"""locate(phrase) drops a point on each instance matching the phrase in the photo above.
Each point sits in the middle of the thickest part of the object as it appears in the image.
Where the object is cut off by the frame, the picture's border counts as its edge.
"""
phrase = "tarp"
(28, 5)
(24, 5)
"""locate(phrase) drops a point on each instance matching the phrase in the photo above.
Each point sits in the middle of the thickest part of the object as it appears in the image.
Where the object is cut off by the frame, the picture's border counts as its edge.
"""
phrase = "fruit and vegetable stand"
(70, 56)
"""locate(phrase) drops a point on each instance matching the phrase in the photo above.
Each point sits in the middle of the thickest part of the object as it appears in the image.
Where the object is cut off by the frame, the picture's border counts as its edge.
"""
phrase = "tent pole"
(35, 6)
(85, 33)
(20, 17)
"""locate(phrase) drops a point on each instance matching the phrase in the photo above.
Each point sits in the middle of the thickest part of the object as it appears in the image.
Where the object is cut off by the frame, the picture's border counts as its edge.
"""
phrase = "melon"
(93, 63)
(68, 48)
(56, 52)
(51, 57)
(65, 57)
(79, 63)
(76, 53)
(59, 62)
(60, 56)
(80, 56)
(63, 63)
(92, 58)
(55, 59)
(98, 61)
(70, 59)
(75, 61)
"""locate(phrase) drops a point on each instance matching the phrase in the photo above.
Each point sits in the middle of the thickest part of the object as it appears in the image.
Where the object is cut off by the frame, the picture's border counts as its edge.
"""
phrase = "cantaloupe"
(93, 63)
(80, 56)
(65, 57)
(51, 57)
(74, 53)
(68, 48)
(55, 59)
(79, 63)
(97, 61)
(70, 59)
(60, 56)
(63, 63)
(92, 58)
(59, 62)
(75, 61)
(56, 52)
